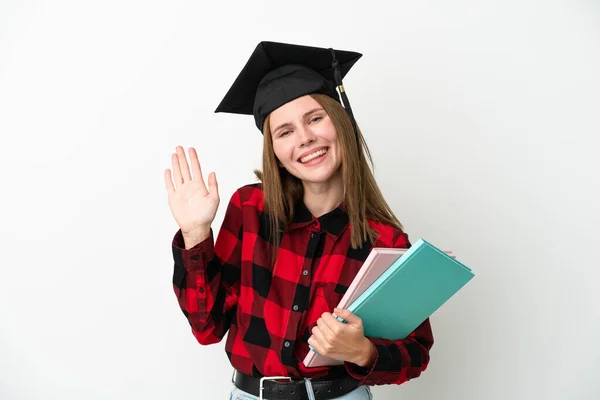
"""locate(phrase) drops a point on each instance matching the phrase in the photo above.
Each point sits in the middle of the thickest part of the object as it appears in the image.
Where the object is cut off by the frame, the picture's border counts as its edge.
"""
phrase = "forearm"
(194, 290)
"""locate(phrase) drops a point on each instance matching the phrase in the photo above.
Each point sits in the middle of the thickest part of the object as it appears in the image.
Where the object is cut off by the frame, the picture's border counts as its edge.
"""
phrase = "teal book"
(405, 294)
(410, 291)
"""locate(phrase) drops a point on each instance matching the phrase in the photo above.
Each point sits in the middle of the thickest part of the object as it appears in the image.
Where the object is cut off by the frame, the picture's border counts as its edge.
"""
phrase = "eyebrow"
(304, 116)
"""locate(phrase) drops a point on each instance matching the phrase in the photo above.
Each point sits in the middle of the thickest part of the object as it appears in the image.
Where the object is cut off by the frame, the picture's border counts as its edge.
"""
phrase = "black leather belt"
(284, 389)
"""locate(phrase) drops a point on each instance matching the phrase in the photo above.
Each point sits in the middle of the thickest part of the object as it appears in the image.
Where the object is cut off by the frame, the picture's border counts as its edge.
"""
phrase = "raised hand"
(192, 204)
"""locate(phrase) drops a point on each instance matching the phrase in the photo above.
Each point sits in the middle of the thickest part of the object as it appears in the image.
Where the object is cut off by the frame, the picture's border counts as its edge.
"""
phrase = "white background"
(483, 121)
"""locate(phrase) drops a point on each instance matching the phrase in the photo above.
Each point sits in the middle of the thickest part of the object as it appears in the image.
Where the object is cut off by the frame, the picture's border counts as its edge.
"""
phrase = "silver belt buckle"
(269, 378)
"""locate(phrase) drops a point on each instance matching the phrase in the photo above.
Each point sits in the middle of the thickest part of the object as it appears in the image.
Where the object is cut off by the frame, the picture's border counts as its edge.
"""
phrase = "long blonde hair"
(363, 199)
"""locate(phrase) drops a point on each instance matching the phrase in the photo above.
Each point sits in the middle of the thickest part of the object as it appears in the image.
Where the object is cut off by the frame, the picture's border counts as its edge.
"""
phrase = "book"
(397, 289)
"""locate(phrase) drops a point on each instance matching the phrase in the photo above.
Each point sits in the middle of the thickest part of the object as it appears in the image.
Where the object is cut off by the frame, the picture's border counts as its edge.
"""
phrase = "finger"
(326, 328)
(315, 344)
(183, 165)
(351, 319)
(320, 338)
(196, 168)
(169, 181)
(449, 253)
(175, 166)
(345, 314)
(329, 319)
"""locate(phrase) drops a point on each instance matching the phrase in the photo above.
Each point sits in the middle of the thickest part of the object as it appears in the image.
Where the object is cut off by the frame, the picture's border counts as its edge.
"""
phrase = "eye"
(282, 134)
(316, 119)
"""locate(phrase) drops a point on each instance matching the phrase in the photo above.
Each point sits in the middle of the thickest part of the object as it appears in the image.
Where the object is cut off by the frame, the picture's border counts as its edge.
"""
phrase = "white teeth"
(313, 155)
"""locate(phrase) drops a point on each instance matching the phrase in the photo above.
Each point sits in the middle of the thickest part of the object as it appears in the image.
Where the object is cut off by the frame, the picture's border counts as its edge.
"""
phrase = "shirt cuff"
(195, 257)
(376, 373)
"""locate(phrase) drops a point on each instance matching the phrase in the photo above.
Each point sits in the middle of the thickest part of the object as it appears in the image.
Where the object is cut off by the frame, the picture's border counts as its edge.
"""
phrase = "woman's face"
(305, 140)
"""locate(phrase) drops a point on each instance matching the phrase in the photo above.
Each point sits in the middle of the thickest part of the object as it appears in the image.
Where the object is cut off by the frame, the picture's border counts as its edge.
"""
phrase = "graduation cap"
(277, 73)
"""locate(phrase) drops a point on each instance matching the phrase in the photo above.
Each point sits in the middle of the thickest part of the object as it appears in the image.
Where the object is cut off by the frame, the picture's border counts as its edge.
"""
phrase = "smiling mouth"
(315, 155)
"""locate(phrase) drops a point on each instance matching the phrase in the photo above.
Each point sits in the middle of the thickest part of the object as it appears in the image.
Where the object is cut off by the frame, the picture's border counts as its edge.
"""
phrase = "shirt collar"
(334, 222)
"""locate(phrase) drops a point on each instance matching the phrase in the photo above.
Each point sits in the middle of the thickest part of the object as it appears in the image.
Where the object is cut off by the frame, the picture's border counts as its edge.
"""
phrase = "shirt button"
(196, 258)
(312, 235)
(295, 307)
(286, 344)
(305, 272)
(201, 290)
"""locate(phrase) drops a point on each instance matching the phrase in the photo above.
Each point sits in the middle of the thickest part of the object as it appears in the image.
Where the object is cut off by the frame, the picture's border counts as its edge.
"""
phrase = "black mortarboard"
(277, 73)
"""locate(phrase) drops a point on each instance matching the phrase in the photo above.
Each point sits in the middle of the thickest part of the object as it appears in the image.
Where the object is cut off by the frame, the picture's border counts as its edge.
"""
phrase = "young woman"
(290, 246)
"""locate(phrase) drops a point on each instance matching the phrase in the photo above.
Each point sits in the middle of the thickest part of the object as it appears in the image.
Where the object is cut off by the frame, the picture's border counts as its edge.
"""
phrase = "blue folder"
(409, 291)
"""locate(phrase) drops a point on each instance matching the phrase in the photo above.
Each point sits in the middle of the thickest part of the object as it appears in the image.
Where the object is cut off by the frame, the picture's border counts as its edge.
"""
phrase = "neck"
(323, 197)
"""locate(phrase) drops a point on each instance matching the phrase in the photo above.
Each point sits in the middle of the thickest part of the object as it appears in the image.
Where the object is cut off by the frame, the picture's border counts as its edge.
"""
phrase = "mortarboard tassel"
(337, 76)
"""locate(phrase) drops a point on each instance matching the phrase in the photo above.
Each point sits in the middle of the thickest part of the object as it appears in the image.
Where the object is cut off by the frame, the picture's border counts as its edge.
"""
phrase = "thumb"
(213, 186)
(348, 316)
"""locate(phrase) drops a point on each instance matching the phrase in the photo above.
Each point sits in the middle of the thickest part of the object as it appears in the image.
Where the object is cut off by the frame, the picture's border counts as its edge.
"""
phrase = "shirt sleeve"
(206, 277)
(396, 361)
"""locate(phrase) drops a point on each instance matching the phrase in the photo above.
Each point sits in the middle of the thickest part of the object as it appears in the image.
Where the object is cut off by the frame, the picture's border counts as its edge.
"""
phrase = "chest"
(312, 267)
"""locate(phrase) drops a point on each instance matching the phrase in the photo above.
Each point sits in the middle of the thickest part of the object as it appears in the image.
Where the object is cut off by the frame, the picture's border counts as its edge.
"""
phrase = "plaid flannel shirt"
(229, 286)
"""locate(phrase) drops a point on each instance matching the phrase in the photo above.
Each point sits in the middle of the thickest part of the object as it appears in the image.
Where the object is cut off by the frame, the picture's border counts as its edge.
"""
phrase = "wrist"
(196, 236)
(368, 355)
(196, 232)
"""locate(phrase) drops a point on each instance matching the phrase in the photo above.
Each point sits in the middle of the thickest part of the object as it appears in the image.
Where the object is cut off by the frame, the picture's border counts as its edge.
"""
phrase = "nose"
(305, 136)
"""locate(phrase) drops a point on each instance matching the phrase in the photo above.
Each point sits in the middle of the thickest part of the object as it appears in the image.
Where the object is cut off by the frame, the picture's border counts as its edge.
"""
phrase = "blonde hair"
(363, 199)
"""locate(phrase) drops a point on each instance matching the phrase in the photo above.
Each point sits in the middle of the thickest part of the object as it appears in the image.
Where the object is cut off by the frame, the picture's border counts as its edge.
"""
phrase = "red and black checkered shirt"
(229, 286)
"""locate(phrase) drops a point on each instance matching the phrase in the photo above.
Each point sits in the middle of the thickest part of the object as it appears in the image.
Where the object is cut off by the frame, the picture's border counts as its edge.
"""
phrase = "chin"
(319, 177)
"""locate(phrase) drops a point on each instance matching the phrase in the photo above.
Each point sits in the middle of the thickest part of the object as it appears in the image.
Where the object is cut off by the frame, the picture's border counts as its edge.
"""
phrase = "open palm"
(192, 204)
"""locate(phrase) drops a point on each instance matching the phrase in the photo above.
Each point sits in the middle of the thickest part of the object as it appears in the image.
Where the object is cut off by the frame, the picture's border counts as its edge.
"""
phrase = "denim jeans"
(360, 393)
